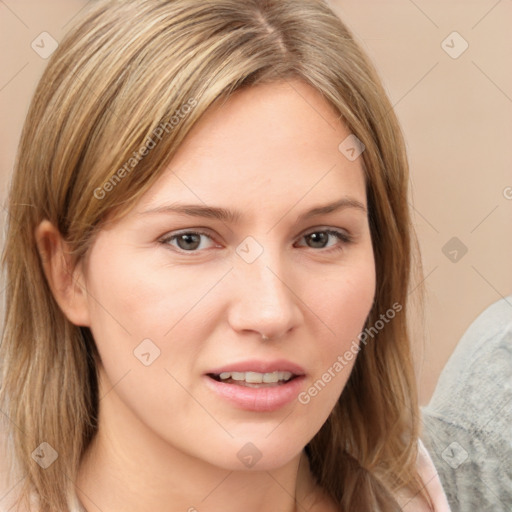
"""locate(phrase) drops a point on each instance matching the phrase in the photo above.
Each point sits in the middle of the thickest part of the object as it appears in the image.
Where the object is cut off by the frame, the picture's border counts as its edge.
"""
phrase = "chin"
(257, 453)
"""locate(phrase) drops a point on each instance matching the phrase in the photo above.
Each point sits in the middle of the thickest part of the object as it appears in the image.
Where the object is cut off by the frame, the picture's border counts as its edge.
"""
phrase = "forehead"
(274, 143)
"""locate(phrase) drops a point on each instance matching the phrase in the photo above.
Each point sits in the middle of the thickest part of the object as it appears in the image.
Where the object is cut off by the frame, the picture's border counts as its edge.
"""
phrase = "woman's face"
(225, 246)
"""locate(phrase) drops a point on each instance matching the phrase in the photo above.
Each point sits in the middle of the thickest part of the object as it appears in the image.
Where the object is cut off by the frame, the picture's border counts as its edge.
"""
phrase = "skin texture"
(270, 152)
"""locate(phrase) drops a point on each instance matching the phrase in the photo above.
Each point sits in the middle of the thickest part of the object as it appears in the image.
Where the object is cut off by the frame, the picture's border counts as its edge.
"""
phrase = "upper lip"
(280, 365)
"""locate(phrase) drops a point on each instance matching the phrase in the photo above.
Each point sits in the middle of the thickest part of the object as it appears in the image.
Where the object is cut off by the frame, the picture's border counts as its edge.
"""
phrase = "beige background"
(455, 112)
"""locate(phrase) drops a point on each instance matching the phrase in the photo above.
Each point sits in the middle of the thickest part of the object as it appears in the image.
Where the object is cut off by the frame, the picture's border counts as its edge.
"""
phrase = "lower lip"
(265, 399)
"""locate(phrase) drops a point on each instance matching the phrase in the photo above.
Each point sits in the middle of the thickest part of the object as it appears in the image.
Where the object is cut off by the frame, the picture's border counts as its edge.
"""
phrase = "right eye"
(186, 241)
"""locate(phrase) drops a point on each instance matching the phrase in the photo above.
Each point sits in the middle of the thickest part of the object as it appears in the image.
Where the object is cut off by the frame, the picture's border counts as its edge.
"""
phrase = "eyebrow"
(233, 216)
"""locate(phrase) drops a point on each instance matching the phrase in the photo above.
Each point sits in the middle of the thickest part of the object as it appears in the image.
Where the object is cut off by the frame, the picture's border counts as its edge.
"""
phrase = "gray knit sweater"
(468, 423)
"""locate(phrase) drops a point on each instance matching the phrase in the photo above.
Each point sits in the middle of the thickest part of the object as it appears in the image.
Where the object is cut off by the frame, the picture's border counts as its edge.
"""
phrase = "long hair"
(117, 80)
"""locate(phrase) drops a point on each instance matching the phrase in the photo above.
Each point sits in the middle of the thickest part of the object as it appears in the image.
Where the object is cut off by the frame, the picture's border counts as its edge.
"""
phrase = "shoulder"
(476, 382)
(467, 422)
(432, 484)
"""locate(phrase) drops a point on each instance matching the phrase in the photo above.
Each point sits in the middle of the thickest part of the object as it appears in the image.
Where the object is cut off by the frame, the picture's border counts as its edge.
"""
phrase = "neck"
(128, 468)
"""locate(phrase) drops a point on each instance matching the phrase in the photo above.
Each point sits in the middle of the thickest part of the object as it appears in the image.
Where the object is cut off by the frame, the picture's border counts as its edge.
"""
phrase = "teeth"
(271, 377)
(253, 377)
(256, 377)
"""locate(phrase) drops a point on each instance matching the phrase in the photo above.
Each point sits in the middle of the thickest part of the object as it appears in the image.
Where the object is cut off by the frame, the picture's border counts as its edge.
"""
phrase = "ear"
(66, 283)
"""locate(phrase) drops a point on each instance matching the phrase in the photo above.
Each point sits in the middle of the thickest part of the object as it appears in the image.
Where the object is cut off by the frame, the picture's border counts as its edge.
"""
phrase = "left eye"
(320, 237)
(190, 241)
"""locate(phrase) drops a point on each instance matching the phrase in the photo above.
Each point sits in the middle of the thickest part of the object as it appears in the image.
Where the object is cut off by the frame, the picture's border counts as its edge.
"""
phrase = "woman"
(180, 334)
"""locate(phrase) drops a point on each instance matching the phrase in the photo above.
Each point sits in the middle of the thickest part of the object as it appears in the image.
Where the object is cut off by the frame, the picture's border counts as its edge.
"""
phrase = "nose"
(266, 299)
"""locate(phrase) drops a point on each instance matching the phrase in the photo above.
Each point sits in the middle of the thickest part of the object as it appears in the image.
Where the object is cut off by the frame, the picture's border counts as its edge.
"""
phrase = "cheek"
(144, 312)
(343, 307)
(345, 302)
(139, 296)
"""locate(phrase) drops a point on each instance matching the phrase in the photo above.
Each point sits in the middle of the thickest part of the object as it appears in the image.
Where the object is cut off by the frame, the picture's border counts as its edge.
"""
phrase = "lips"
(257, 385)
(280, 365)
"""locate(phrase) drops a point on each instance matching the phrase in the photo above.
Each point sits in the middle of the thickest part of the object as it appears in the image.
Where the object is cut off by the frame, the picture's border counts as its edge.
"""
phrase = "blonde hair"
(123, 72)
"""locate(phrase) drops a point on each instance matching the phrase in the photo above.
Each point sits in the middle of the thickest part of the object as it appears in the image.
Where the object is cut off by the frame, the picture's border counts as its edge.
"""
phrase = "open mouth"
(276, 384)
(253, 379)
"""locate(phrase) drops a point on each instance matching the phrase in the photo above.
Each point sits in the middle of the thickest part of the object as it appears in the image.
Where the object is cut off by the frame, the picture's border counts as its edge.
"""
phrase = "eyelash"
(343, 237)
